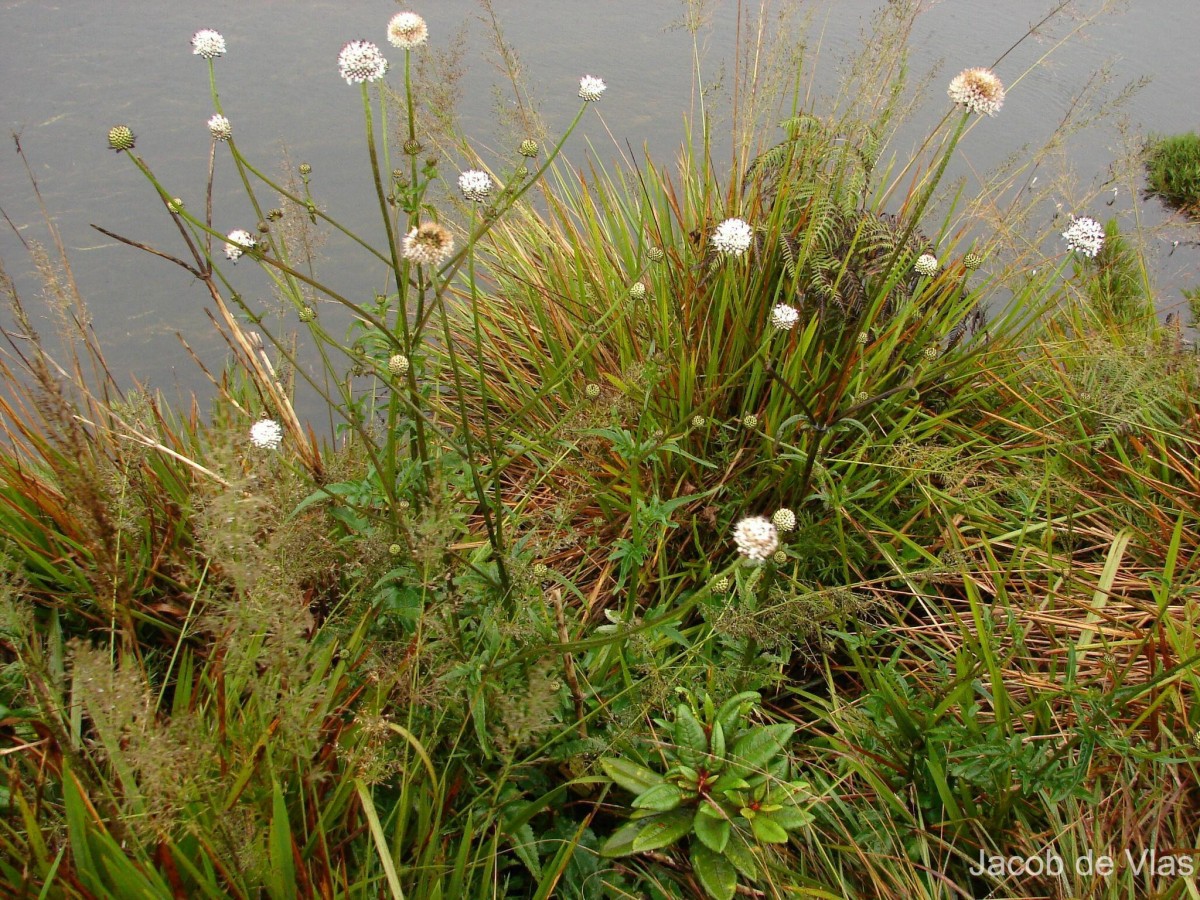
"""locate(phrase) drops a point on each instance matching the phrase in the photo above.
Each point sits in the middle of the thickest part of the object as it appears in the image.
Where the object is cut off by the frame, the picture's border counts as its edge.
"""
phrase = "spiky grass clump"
(1173, 170)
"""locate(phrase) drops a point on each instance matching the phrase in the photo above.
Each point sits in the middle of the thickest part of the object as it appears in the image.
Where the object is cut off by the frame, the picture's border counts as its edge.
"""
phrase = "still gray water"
(70, 70)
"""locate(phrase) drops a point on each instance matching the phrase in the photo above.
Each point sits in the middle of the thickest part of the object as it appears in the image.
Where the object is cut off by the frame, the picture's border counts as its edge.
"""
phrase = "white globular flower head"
(756, 538)
(266, 434)
(926, 264)
(407, 30)
(590, 88)
(977, 90)
(361, 61)
(208, 43)
(238, 242)
(475, 185)
(784, 317)
(732, 237)
(219, 128)
(784, 519)
(1085, 236)
(429, 244)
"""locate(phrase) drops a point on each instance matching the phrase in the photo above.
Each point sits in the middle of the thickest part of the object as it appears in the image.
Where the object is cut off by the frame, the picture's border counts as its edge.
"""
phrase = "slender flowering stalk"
(732, 237)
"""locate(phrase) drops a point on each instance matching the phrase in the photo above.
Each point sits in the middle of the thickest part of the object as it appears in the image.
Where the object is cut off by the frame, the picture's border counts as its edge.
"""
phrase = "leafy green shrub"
(1173, 170)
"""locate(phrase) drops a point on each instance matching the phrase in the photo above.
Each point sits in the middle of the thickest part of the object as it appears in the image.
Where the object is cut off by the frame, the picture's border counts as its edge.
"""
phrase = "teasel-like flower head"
(637, 291)
(784, 317)
(475, 185)
(407, 30)
(429, 244)
(1085, 236)
(750, 421)
(398, 365)
(266, 434)
(529, 148)
(732, 237)
(120, 137)
(784, 519)
(361, 61)
(238, 242)
(592, 391)
(756, 538)
(655, 254)
(590, 88)
(978, 90)
(972, 261)
(721, 585)
(926, 264)
(220, 128)
(208, 43)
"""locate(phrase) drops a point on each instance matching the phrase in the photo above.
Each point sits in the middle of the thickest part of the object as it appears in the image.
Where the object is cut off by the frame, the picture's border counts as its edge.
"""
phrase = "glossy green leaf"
(716, 746)
(767, 830)
(713, 830)
(629, 775)
(663, 830)
(732, 711)
(691, 743)
(791, 817)
(620, 843)
(662, 798)
(755, 750)
(738, 852)
(715, 873)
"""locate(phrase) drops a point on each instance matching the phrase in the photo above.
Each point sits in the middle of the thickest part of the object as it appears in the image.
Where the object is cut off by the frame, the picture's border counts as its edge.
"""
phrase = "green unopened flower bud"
(120, 137)
(395, 550)
(655, 254)
(398, 365)
(305, 170)
(274, 215)
(637, 291)
(592, 391)
(784, 519)
(412, 147)
(697, 421)
(528, 148)
(540, 570)
(972, 261)
(779, 557)
(931, 352)
(175, 205)
(750, 421)
(307, 314)
(403, 504)
(720, 586)
(862, 397)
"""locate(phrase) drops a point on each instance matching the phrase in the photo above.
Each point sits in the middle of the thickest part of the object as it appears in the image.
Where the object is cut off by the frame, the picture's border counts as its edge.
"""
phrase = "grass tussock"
(680, 530)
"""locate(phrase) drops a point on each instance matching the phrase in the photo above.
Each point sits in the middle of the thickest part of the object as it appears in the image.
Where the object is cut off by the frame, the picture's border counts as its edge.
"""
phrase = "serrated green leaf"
(752, 752)
(738, 852)
(789, 818)
(629, 775)
(663, 830)
(767, 830)
(715, 873)
(620, 843)
(731, 713)
(713, 830)
(691, 743)
(662, 798)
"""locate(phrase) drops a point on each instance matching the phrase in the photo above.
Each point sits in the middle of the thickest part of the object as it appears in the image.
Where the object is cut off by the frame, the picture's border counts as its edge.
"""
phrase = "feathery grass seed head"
(978, 90)
(756, 538)
(407, 30)
(361, 61)
(208, 43)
